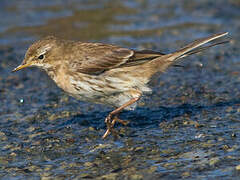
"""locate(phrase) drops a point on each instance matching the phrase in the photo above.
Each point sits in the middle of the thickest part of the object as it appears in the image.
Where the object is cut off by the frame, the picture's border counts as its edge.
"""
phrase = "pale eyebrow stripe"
(44, 49)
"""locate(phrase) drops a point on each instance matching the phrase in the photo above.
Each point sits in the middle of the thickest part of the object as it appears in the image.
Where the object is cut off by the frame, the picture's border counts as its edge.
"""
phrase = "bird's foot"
(123, 122)
(110, 122)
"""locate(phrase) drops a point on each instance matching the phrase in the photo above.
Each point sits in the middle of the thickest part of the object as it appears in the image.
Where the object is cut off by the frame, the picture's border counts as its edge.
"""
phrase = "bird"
(104, 73)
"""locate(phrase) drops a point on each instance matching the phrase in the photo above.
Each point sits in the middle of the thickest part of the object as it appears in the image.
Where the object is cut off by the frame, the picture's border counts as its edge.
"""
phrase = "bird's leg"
(115, 119)
(112, 118)
(110, 124)
(123, 122)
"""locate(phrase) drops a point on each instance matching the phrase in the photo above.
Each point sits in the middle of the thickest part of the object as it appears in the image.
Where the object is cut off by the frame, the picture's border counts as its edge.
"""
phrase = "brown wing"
(94, 58)
(98, 57)
(141, 57)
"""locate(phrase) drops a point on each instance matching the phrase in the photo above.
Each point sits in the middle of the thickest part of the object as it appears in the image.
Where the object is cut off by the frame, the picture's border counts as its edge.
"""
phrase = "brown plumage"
(103, 73)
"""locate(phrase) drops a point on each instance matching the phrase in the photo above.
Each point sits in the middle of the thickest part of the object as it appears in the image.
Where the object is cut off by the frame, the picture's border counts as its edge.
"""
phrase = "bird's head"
(40, 54)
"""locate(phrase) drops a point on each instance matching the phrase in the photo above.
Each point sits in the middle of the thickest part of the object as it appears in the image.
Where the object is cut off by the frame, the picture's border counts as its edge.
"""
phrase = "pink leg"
(113, 116)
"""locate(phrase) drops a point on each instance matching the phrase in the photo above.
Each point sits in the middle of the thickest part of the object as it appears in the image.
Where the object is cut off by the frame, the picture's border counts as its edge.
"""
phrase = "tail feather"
(161, 63)
(192, 47)
(200, 49)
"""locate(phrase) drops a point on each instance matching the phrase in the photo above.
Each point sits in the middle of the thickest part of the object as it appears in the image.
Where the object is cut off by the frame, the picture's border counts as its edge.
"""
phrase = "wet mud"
(187, 128)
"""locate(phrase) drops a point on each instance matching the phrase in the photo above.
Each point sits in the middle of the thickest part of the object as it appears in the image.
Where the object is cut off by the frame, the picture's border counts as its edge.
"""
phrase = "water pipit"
(103, 73)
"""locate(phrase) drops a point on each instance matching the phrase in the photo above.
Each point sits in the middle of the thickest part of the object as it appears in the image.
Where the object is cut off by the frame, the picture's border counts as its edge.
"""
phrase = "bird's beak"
(21, 66)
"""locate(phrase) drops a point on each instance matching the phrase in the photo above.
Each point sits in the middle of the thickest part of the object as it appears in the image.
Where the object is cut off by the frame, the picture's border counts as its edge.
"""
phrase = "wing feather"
(97, 57)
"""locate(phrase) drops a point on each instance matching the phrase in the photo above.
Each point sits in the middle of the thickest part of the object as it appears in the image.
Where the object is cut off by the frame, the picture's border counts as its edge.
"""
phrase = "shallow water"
(188, 127)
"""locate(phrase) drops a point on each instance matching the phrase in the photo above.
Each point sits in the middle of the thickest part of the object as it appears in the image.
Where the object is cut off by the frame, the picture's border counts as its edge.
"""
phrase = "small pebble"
(186, 174)
(214, 161)
(238, 167)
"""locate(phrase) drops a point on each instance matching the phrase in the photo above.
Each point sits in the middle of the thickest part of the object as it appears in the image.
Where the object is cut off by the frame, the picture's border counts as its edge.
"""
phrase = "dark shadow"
(143, 116)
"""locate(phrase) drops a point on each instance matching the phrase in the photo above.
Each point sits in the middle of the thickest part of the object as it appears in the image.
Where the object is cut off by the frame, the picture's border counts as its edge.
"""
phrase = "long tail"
(163, 62)
(192, 48)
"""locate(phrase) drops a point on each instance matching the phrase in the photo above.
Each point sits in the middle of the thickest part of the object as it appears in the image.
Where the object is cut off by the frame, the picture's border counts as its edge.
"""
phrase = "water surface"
(188, 127)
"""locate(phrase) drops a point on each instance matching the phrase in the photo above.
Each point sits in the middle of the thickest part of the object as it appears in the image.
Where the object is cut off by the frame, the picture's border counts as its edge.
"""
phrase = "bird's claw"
(110, 122)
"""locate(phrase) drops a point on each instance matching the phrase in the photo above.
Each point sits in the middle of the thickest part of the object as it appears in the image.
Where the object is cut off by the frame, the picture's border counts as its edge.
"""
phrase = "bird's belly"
(115, 100)
(98, 91)
(105, 90)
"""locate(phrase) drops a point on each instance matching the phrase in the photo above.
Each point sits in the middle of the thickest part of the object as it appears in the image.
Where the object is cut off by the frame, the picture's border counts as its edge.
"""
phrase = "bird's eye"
(41, 57)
